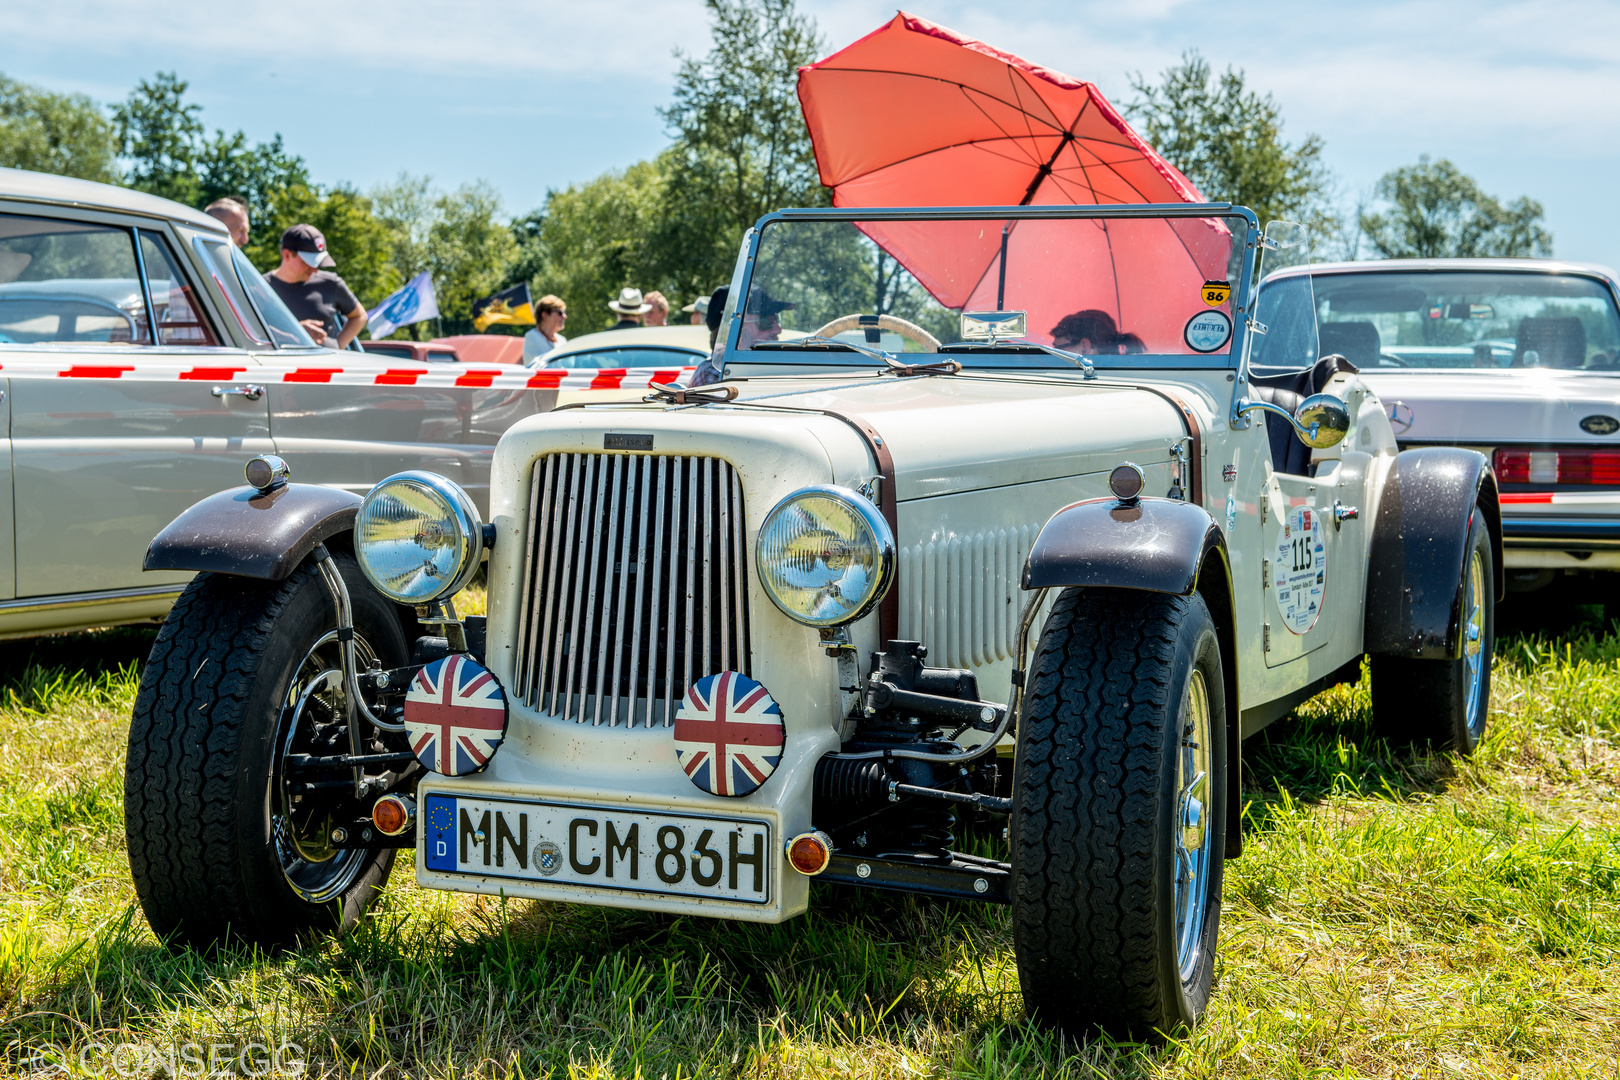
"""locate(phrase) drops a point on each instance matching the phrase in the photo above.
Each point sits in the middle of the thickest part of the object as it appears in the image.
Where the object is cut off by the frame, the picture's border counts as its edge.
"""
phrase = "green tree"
(160, 135)
(741, 148)
(595, 238)
(1434, 210)
(1228, 140)
(64, 134)
(261, 175)
(457, 236)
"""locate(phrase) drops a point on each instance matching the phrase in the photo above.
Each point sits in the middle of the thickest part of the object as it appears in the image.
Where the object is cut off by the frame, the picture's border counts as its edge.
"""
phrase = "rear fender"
(1419, 542)
(248, 534)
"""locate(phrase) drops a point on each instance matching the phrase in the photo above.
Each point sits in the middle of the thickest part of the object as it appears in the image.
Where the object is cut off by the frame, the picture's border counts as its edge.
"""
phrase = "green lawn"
(1393, 915)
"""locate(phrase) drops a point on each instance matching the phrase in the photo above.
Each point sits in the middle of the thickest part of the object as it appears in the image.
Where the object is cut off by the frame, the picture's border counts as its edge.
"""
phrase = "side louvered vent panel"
(635, 585)
(961, 597)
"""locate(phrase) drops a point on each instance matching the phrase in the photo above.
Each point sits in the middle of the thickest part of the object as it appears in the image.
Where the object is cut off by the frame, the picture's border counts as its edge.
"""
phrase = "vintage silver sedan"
(95, 277)
(1516, 358)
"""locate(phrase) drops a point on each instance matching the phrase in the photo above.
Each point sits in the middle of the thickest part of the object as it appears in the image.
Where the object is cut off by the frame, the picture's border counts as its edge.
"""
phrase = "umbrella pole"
(1001, 280)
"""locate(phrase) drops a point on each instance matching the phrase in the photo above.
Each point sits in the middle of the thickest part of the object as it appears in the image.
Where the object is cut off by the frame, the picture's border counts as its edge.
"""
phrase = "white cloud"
(502, 38)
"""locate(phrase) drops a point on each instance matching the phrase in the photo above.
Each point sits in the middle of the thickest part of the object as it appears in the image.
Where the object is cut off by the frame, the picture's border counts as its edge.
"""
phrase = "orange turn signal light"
(393, 814)
(809, 853)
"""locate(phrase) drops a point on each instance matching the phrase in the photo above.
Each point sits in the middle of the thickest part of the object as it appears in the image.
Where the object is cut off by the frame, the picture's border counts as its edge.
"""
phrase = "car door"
(100, 464)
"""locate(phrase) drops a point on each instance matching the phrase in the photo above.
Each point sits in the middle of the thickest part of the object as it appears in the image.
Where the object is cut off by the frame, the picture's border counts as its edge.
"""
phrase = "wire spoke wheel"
(1192, 848)
(314, 721)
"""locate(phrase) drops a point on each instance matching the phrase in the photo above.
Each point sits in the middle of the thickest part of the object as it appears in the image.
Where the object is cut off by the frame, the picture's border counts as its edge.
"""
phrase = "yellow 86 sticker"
(1216, 292)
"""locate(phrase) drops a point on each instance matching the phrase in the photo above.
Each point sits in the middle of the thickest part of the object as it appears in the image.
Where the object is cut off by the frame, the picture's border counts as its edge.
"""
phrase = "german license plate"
(575, 844)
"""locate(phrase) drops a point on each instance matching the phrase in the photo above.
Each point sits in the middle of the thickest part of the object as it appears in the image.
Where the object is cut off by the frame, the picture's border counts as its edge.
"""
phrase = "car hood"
(946, 435)
(1500, 407)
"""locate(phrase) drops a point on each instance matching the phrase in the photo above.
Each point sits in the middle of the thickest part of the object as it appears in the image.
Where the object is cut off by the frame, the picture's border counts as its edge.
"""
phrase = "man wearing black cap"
(319, 300)
(760, 322)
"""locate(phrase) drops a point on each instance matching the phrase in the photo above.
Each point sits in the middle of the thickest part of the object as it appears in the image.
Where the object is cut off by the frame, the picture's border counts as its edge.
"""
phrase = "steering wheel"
(1386, 360)
(905, 328)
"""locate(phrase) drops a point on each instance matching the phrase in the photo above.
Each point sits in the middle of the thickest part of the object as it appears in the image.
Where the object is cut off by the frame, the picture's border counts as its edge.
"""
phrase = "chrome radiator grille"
(635, 585)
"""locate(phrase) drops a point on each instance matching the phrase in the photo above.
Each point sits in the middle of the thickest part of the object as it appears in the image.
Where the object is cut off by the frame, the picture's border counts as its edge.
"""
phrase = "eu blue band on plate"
(439, 832)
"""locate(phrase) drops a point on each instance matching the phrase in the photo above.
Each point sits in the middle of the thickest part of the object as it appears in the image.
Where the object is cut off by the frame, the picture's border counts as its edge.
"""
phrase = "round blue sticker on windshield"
(1208, 331)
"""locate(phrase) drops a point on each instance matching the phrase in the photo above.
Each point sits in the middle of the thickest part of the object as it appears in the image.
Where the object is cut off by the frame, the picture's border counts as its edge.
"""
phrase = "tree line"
(738, 149)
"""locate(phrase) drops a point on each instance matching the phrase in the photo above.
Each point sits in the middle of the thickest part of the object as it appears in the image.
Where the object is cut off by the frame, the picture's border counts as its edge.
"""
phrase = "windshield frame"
(1243, 289)
(1484, 266)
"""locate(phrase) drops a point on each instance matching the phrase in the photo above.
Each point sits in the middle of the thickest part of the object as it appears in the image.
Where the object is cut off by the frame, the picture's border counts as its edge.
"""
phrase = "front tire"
(1444, 702)
(1118, 841)
(218, 847)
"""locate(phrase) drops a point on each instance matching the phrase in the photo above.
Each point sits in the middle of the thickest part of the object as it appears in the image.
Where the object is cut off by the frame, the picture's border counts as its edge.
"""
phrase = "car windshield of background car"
(641, 356)
(1128, 292)
(263, 316)
(67, 282)
(1465, 320)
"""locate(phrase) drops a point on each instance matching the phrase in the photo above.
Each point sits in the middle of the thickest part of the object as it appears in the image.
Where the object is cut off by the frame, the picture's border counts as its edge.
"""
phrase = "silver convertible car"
(1516, 358)
(98, 281)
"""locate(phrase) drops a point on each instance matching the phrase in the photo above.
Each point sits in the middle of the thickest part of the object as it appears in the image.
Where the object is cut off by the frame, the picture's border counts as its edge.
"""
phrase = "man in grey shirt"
(319, 300)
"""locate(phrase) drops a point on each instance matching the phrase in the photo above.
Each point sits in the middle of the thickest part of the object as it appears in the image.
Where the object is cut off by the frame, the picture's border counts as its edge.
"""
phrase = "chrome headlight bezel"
(460, 520)
(878, 532)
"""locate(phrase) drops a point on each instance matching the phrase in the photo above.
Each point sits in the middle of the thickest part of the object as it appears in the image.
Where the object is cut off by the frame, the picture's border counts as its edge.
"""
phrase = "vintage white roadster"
(1051, 563)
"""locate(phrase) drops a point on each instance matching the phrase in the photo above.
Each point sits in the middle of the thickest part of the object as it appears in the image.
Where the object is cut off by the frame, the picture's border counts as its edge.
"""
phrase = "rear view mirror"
(1321, 421)
(992, 325)
(1281, 235)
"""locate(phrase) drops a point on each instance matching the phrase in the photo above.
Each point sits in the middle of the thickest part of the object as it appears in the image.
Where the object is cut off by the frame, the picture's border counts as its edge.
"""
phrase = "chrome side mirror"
(1321, 421)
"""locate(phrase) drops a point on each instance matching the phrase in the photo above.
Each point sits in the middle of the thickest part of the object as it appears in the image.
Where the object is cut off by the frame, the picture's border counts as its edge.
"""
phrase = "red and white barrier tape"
(500, 377)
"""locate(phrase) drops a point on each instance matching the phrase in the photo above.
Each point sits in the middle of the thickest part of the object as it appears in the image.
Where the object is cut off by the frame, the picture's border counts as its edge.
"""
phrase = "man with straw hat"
(630, 307)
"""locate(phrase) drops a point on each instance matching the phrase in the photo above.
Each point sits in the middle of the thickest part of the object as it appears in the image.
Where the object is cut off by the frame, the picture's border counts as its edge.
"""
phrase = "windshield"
(264, 316)
(1453, 320)
(1142, 290)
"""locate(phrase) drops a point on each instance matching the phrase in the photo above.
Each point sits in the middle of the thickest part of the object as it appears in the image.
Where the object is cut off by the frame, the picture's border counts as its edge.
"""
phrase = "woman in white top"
(550, 314)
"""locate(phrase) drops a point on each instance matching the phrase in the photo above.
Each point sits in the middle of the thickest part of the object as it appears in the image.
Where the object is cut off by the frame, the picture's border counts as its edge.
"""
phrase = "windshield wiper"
(1081, 362)
(947, 367)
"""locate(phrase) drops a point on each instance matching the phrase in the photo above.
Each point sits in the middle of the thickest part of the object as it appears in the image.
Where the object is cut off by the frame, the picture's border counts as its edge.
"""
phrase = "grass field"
(1393, 916)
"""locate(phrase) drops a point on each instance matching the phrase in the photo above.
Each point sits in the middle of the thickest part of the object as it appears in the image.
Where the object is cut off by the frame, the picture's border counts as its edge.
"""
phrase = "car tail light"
(393, 814)
(809, 853)
(1599, 468)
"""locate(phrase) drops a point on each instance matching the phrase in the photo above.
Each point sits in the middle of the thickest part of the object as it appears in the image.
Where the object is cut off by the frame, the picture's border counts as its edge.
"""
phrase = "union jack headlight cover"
(455, 716)
(728, 734)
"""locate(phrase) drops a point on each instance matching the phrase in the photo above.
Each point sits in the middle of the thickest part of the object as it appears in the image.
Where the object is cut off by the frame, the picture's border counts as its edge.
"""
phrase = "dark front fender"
(250, 535)
(1419, 542)
(1157, 545)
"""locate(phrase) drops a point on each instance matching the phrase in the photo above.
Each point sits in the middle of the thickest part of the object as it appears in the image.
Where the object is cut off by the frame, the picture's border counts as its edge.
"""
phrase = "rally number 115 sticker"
(1299, 566)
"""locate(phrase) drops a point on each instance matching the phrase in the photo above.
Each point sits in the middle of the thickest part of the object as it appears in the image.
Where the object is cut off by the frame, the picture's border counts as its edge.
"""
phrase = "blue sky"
(537, 94)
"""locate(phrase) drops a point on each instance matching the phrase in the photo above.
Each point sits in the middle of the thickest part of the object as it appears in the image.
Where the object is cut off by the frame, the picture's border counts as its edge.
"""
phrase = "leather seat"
(1357, 342)
(1286, 390)
(1558, 340)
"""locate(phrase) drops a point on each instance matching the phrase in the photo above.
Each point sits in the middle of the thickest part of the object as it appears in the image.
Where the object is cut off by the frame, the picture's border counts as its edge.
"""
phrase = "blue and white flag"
(411, 304)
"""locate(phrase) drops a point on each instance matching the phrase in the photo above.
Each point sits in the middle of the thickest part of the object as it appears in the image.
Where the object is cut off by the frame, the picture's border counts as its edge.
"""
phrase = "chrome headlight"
(418, 538)
(825, 556)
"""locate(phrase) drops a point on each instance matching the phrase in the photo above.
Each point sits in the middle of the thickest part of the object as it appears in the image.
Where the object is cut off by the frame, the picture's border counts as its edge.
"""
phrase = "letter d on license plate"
(696, 855)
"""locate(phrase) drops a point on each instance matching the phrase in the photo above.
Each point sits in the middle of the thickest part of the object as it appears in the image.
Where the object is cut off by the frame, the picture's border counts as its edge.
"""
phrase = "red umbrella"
(914, 114)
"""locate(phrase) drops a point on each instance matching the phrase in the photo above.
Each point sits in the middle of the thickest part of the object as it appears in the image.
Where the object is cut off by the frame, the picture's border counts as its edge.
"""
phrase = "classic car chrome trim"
(590, 534)
(95, 599)
(1560, 534)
